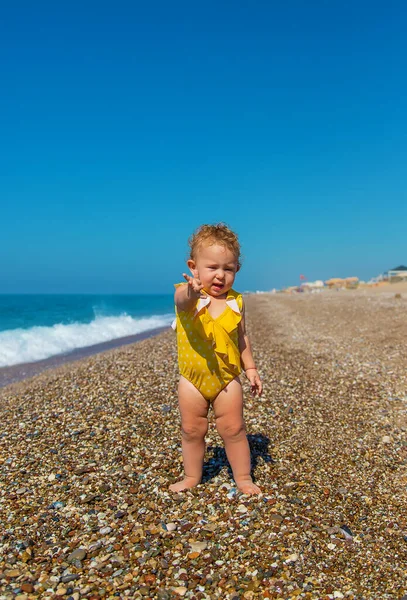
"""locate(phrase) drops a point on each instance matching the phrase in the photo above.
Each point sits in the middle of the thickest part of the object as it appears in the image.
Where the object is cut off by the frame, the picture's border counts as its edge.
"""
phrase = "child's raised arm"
(186, 296)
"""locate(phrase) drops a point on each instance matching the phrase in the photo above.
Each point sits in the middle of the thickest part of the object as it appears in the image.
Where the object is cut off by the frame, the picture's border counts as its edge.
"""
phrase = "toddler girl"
(212, 349)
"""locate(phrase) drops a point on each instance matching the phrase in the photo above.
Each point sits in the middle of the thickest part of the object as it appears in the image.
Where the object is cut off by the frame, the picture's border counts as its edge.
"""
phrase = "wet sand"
(87, 452)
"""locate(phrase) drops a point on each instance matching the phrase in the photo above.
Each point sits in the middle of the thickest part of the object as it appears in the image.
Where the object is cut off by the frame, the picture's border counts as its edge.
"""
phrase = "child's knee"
(195, 431)
(234, 430)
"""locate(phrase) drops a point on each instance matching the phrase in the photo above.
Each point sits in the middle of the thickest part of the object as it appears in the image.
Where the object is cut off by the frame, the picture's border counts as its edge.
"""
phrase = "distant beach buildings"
(396, 275)
(348, 282)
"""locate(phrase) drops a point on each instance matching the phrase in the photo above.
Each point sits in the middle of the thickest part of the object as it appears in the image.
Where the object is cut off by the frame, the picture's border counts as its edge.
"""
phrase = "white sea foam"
(29, 345)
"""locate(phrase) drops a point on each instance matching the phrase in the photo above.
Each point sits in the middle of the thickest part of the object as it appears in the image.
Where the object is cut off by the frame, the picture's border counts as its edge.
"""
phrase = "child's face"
(216, 266)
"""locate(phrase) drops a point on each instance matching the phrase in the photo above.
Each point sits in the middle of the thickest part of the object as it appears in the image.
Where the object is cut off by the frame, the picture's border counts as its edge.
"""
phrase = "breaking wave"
(29, 345)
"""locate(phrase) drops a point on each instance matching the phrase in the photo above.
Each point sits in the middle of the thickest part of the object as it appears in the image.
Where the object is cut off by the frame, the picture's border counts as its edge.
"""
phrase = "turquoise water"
(34, 327)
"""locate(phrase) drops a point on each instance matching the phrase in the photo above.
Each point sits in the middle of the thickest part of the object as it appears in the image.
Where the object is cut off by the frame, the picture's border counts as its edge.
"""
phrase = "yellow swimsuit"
(208, 348)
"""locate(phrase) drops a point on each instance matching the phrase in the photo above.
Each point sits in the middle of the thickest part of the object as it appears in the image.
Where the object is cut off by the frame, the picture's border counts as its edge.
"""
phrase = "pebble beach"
(88, 450)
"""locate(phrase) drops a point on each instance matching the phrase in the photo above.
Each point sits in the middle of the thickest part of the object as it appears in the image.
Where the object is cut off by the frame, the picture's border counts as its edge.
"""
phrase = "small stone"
(338, 594)
(105, 530)
(386, 439)
(331, 546)
(78, 554)
(211, 527)
(181, 590)
(276, 518)
(231, 493)
(171, 526)
(12, 573)
(198, 546)
(61, 591)
(346, 532)
(26, 555)
(27, 587)
(242, 508)
(84, 469)
(292, 558)
(95, 546)
(87, 498)
(69, 577)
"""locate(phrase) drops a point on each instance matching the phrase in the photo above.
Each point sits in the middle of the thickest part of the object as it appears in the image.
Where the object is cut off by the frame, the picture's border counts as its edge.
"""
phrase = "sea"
(36, 327)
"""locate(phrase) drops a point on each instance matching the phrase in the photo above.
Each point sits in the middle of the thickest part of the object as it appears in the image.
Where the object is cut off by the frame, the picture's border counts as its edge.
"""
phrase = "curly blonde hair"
(207, 235)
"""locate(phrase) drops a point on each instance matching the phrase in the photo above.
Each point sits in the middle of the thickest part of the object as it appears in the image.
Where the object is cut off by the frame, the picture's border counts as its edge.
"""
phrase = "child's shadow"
(258, 443)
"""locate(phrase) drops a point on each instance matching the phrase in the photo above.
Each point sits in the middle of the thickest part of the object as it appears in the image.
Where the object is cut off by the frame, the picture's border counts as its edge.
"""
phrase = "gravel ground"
(87, 452)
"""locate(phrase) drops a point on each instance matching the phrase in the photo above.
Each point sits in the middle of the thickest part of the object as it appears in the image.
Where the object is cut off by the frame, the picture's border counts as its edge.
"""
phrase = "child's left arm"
(247, 359)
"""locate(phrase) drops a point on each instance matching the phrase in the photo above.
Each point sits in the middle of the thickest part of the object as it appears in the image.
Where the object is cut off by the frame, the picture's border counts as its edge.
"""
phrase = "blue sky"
(125, 126)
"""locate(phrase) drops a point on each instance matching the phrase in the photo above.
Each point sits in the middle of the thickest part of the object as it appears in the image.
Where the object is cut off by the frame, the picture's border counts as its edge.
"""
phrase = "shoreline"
(17, 373)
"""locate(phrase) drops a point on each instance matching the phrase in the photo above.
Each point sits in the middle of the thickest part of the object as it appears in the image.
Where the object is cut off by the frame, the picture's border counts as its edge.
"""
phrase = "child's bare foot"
(246, 486)
(185, 484)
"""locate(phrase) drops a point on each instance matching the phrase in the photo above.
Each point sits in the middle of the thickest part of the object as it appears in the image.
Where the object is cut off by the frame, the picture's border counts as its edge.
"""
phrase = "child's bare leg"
(228, 409)
(194, 421)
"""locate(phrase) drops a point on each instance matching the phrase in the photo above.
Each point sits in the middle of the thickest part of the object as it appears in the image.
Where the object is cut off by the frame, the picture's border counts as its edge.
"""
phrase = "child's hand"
(194, 284)
(255, 382)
